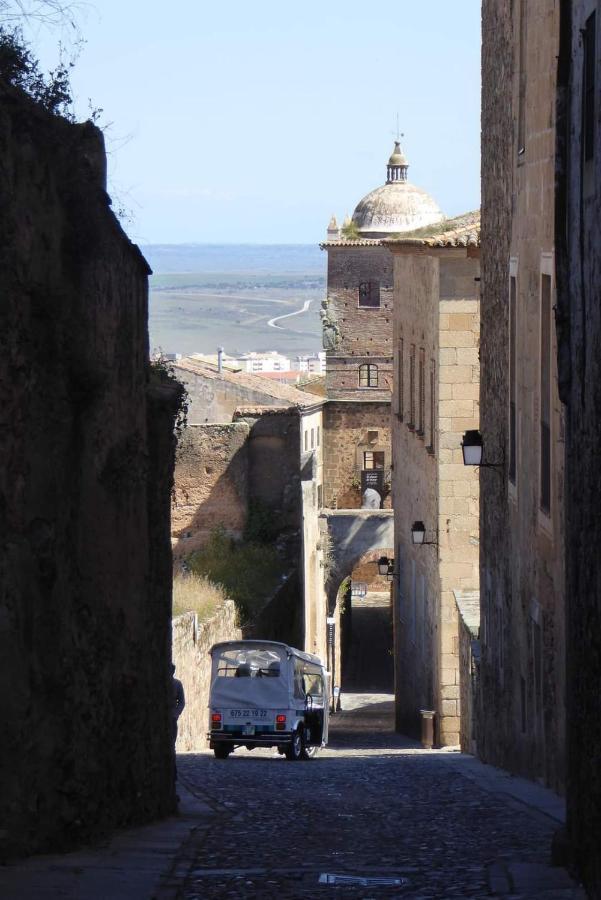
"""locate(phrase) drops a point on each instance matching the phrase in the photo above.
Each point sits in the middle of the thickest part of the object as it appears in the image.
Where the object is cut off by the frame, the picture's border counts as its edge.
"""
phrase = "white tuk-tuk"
(266, 694)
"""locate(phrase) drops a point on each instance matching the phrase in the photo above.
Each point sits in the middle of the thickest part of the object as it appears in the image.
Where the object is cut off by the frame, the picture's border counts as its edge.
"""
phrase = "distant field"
(202, 308)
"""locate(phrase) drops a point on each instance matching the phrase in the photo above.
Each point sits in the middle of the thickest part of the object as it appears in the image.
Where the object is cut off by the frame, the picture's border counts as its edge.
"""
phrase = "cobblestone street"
(372, 805)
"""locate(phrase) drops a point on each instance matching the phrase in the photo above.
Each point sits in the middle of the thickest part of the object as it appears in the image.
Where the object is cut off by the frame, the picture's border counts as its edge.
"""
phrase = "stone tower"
(358, 337)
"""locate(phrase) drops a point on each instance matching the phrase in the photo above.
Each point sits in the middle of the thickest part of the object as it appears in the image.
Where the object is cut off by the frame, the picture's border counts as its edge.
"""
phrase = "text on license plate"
(248, 714)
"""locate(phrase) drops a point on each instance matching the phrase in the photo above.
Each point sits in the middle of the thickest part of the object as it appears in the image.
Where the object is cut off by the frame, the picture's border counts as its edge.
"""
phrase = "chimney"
(220, 359)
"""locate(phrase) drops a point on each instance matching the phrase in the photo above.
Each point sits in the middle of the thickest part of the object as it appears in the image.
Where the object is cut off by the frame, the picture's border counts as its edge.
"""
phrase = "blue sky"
(254, 121)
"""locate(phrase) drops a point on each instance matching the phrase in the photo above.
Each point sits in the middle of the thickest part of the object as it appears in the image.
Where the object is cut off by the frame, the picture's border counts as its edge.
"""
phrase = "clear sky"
(252, 121)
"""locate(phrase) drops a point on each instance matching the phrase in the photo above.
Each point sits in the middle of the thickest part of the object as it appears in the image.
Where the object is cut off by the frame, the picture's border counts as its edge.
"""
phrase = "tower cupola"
(396, 170)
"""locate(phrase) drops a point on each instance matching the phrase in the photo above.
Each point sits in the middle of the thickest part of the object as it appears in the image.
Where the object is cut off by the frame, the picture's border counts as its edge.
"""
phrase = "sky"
(253, 122)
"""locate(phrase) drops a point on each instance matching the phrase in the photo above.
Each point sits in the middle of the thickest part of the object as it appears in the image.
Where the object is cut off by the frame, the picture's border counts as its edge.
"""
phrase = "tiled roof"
(468, 604)
(361, 242)
(289, 396)
(462, 231)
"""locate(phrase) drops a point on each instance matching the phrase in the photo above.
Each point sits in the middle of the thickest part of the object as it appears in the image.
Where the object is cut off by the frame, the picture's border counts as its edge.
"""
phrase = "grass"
(195, 593)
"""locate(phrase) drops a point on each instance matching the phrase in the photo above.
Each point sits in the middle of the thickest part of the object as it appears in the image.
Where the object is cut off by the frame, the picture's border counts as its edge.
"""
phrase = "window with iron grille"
(369, 294)
(412, 387)
(512, 378)
(545, 393)
(368, 375)
(401, 378)
(588, 88)
(421, 392)
(432, 444)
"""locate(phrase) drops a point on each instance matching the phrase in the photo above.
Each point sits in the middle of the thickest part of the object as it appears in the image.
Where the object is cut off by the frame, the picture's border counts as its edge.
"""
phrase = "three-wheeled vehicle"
(267, 694)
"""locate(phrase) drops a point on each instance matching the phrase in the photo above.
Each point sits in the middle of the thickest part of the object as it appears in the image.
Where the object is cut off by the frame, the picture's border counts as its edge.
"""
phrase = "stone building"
(86, 466)
(435, 400)
(357, 319)
(578, 248)
(521, 723)
(253, 444)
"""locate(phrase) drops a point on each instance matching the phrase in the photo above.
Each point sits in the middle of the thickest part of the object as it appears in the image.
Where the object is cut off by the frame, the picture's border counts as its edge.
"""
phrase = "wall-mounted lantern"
(418, 535)
(472, 447)
(386, 567)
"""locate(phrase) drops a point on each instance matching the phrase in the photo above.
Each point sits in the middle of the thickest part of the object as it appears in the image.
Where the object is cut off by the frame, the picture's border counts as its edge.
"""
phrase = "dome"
(396, 206)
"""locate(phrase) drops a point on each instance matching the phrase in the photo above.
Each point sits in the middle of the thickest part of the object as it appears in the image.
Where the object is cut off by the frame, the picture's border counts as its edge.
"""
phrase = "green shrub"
(248, 572)
(19, 67)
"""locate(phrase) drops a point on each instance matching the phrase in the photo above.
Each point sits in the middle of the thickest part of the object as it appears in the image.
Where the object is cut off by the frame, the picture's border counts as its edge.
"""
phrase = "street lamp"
(472, 447)
(383, 564)
(418, 534)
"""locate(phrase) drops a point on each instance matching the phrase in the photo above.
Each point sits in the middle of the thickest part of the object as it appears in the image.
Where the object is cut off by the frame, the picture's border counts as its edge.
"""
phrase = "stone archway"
(356, 538)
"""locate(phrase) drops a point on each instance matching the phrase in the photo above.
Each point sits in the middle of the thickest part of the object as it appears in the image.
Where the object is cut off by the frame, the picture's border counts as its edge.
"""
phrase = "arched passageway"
(367, 661)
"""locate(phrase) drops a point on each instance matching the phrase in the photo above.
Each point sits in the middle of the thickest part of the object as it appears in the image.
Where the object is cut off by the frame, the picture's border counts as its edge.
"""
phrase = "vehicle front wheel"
(222, 751)
(295, 750)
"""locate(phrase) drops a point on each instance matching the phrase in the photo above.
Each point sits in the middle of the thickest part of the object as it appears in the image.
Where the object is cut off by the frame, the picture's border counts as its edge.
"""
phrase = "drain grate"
(363, 880)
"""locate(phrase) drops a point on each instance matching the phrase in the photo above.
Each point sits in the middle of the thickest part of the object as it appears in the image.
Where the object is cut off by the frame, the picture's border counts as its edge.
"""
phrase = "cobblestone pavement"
(372, 805)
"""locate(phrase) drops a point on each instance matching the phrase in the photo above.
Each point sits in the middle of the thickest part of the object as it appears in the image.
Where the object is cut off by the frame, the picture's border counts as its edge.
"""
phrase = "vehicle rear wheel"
(295, 750)
(222, 751)
(310, 752)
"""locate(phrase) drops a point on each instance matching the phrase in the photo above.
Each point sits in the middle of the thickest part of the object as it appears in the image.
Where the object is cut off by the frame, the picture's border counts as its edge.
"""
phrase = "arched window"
(368, 375)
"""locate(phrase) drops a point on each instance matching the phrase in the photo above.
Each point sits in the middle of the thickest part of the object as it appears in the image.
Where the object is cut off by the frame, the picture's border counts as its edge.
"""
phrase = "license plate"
(254, 715)
(248, 729)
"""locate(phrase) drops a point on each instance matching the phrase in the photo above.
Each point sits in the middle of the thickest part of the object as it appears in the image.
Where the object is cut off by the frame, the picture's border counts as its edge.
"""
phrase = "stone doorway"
(366, 631)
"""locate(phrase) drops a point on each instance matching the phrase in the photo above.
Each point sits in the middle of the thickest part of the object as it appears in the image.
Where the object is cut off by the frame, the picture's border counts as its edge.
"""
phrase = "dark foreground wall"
(578, 243)
(86, 449)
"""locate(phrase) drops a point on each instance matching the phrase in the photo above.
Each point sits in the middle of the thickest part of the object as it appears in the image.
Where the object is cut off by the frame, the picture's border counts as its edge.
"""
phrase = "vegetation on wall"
(248, 572)
(19, 68)
(195, 593)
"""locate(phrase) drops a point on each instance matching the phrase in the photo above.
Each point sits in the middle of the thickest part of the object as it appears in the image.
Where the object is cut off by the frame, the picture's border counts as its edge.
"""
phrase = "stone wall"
(579, 338)
(365, 334)
(192, 641)
(496, 180)
(211, 485)
(346, 437)
(523, 644)
(437, 323)
(85, 476)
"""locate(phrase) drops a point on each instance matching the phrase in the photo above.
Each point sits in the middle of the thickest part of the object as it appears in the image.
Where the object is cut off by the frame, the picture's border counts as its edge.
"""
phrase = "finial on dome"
(396, 170)
(333, 229)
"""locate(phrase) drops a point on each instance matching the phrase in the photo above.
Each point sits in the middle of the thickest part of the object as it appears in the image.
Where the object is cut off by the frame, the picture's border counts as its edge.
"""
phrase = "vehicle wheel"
(222, 751)
(295, 749)
(310, 752)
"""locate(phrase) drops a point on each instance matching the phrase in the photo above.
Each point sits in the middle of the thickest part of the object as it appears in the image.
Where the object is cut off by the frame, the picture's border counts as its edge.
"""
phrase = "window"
(368, 375)
(412, 387)
(401, 379)
(373, 459)
(588, 88)
(369, 294)
(512, 377)
(432, 444)
(318, 435)
(312, 438)
(421, 393)
(306, 440)
(545, 393)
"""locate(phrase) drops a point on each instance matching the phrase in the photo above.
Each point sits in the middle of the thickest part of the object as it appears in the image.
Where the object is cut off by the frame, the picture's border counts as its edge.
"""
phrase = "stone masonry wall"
(365, 334)
(192, 641)
(85, 475)
(578, 247)
(346, 427)
(211, 485)
(497, 179)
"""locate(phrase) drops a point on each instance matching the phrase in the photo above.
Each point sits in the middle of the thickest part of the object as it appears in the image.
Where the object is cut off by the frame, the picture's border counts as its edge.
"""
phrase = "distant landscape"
(204, 296)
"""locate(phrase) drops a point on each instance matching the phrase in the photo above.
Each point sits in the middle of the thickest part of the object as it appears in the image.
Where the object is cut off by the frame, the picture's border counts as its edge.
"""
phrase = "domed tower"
(357, 319)
(396, 206)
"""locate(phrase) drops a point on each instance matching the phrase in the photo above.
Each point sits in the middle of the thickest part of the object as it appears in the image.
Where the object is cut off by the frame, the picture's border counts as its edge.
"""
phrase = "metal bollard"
(427, 728)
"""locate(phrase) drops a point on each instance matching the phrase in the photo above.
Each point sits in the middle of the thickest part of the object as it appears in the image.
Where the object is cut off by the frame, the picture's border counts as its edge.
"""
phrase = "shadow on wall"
(201, 505)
